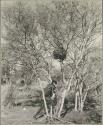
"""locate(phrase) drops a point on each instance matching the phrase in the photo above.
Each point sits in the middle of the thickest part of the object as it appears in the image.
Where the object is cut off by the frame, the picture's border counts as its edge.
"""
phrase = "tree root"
(56, 118)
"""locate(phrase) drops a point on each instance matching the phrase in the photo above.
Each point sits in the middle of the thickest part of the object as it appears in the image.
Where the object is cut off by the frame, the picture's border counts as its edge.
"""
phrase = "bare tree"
(70, 28)
(64, 31)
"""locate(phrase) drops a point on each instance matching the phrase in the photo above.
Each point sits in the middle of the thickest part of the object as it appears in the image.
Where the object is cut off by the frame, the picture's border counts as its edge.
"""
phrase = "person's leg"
(39, 113)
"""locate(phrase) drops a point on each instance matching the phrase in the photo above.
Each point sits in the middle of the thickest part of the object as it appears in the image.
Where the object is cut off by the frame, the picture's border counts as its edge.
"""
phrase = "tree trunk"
(76, 101)
(62, 103)
(64, 92)
(45, 103)
(82, 106)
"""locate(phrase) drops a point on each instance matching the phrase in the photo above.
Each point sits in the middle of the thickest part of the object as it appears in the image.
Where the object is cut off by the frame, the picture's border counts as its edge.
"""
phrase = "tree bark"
(62, 103)
(76, 101)
(68, 84)
(45, 103)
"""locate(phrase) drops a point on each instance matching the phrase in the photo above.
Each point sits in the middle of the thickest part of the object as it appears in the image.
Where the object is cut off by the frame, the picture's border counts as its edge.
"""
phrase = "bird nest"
(59, 54)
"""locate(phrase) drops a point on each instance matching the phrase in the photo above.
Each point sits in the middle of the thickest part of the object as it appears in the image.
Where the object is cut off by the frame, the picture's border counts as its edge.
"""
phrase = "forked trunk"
(80, 98)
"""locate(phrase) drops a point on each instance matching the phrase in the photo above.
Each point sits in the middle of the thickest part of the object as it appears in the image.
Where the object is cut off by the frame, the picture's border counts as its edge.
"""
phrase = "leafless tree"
(72, 27)
(64, 31)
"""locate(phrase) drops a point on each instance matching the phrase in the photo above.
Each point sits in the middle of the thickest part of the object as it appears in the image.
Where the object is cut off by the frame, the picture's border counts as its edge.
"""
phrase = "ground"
(20, 115)
(16, 115)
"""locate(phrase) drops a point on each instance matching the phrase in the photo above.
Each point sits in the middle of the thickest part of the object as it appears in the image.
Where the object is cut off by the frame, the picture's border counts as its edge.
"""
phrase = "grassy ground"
(16, 115)
(24, 115)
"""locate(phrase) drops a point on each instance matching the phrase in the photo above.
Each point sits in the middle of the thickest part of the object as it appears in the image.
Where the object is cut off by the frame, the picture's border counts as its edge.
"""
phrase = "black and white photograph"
(51, 62)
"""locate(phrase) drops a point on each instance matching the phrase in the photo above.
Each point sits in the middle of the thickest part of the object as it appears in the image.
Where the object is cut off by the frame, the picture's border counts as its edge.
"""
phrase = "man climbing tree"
(50, 95)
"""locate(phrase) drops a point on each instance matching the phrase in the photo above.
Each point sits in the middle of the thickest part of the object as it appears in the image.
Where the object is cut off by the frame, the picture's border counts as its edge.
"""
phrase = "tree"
(64, 32)
(72, 27)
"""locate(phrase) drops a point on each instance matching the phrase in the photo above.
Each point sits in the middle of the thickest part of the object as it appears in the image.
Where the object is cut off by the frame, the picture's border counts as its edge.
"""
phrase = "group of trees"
(64, 31)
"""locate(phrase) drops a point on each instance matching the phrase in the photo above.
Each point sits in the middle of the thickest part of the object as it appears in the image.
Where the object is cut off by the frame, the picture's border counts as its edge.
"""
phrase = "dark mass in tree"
(50, 98)
(59, 53)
